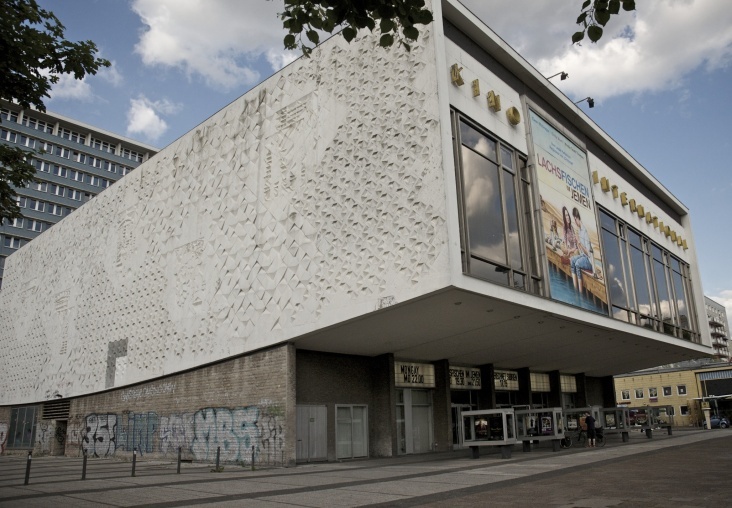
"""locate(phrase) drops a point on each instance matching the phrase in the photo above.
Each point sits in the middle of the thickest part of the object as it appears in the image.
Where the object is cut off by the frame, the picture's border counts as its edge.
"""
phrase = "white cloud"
(69, 88)
(218, 40)
(649, 50)
(143, 117)
(111, 74)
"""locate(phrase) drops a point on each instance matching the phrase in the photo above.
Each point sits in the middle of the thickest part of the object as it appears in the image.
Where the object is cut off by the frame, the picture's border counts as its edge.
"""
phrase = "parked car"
(717, 422)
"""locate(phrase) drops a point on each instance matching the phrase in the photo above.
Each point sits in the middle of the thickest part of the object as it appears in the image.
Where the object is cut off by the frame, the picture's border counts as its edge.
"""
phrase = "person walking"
(591, 431)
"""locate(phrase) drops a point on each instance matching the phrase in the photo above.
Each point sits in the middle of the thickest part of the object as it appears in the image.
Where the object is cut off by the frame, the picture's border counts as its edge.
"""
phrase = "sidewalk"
(690, 468)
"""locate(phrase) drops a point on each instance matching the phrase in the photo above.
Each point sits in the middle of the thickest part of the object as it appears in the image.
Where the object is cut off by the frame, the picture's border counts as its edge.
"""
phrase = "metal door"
(312, 427)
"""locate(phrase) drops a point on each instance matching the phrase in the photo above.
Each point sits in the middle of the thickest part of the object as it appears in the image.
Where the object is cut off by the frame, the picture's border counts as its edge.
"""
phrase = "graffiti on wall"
(100, 435)
(137, 432)
(246, 434)
(3, 436)
(176, 431)
(45, 435)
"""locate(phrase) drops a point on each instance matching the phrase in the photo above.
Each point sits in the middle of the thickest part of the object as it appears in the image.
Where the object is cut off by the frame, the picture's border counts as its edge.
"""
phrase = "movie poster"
(576, 274)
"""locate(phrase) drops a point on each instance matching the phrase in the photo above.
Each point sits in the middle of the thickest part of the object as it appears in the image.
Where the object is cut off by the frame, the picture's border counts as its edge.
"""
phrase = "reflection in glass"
(514, 242)
(483, 207)
(475, 140)
(614, 268)
(640, 277)
(662, 289)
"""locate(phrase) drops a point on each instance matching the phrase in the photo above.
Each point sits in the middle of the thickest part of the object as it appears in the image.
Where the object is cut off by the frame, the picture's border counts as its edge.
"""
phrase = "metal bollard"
(134, 460)
(27, 468)
(252, 457)
(83, 467)
(218, 455)
(179, 452)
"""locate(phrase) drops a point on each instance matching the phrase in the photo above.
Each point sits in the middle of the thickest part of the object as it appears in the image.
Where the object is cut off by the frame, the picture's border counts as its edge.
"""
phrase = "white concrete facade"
(305, 211)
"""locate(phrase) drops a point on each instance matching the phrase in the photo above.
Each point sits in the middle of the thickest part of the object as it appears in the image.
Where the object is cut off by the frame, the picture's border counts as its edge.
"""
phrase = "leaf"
(628, 5)
(614, 6)
(386, 40)
(586, 4)
(349, 34)
(313, 36)
(290, 41)
(594, 33)
(602, 17)
(411, 32)
(577, 36)
(386, 25)
(581, 18)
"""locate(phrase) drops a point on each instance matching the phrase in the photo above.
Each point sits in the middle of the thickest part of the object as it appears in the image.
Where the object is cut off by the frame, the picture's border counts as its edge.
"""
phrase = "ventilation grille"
(56, 410)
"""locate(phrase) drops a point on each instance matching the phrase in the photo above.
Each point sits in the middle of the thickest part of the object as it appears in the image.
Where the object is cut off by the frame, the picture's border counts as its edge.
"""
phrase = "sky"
(661, 78)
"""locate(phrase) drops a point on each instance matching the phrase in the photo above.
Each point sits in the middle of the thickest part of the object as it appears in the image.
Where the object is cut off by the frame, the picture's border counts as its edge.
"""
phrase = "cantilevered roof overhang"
(470, 329)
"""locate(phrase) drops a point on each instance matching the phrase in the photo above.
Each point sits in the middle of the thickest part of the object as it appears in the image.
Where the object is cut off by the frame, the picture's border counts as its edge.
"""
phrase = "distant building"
(718, 327)
(682, 387)
(343, 260)
(74, 162)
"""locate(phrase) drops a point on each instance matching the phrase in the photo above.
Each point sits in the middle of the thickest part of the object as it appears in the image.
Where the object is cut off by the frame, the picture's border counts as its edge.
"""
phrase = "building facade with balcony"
(344, 259)
(718, 327)
(74, 162)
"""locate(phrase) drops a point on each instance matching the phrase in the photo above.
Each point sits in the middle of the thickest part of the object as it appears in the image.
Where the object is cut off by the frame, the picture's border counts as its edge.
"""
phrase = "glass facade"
(496, 198)
(648, 286)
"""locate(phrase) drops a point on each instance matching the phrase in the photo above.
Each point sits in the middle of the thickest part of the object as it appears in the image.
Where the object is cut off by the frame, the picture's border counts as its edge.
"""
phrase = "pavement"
(690, 468)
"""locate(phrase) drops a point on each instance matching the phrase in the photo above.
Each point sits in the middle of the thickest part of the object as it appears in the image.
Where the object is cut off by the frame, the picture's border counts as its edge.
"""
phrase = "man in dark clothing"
(591, 433)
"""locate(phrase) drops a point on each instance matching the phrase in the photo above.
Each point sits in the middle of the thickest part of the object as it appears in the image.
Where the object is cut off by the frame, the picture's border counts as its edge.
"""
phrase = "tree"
(398, 20)
(596, 14)
(34, 55)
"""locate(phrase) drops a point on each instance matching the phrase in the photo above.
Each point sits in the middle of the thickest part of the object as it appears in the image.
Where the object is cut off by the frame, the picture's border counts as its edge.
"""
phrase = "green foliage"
(595, 14)
(398, 20)
(34, 56)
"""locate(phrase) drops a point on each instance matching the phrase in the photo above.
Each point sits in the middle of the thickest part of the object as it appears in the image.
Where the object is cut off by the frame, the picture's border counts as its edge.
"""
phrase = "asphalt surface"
(691, 468)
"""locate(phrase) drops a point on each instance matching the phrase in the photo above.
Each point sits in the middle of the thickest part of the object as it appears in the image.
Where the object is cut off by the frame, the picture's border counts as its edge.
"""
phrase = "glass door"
(414, 421)
(351, 432)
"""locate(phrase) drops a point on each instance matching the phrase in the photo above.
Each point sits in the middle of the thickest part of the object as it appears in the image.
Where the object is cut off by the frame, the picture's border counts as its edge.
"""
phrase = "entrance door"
(352, 432)
(59, 442)
(414, 421)
(311, 433)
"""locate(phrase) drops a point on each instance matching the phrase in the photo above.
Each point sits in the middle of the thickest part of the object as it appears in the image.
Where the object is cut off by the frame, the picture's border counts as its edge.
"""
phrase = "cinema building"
(343, 259)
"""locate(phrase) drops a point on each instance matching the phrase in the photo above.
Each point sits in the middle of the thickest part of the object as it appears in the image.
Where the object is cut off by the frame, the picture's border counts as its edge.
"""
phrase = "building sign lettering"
(464, 378)
(505, 380)
(408, 375)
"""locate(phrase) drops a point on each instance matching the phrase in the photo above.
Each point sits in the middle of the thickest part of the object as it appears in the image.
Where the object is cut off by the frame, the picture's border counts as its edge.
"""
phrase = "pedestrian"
(591, 432)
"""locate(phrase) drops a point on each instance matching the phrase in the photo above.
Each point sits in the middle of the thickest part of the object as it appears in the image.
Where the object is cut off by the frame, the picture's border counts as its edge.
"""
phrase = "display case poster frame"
(563, 179)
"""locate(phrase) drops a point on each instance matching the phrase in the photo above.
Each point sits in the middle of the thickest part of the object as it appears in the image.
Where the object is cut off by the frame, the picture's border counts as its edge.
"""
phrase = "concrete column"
(290, 448)
(487, 393)
(555, 387)
(524, 393)
(441, 407)
(581, 396)
(382, 419)
(608, 391)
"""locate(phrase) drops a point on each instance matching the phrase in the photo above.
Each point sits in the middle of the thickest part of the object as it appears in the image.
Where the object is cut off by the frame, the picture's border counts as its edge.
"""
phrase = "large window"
(648, 286)
(22, 432)
(495, 198)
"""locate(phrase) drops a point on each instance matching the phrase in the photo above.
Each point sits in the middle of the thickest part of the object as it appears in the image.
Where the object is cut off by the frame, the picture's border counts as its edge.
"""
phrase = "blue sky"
(660, 79)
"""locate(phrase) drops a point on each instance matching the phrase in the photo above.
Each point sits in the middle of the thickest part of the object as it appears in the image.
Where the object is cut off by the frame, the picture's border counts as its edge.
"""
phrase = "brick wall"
(245, 406)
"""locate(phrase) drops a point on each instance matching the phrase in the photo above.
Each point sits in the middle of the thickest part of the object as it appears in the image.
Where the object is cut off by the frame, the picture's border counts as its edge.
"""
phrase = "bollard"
(27, 468)
(218, 455)
(252, 457)
(134, 460)
(178, 471)
(83, 467)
